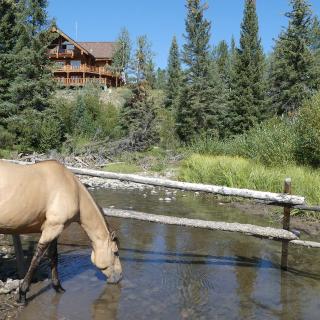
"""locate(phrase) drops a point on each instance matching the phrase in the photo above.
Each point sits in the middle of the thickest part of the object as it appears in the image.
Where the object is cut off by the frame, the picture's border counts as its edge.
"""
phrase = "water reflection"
(106, 306)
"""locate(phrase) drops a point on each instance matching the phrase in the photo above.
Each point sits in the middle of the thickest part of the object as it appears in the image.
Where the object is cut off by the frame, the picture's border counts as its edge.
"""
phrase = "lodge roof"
(100, 50)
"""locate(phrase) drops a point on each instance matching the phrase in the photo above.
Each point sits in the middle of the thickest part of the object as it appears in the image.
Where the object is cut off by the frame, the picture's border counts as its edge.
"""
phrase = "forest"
(227, 114)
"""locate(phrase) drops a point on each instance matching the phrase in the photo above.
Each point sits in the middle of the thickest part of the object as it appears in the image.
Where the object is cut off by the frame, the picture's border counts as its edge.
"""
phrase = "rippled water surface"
(180, 273)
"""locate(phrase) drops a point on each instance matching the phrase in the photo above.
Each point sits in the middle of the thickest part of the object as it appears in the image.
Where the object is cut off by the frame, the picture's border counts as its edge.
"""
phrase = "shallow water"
(180, 273)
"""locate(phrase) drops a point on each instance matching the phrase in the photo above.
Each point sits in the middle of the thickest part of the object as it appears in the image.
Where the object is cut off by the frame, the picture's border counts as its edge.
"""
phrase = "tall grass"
(270, 143)
(243, 173)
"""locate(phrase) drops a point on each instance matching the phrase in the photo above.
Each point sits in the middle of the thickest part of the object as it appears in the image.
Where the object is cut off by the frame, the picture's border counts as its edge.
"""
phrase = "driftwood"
(249, 229)
(226, 191)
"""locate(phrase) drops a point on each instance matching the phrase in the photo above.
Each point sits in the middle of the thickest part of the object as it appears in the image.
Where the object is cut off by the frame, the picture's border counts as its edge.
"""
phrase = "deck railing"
(61, 53)
(80, 81)
(83, 68)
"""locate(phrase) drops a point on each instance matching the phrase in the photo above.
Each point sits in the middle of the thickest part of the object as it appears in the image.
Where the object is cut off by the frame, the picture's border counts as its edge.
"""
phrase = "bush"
(6, 138)
(270, 143)
(167, 129)
(308, 133)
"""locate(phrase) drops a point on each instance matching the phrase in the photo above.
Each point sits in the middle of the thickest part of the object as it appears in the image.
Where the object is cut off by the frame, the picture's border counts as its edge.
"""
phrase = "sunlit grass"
(122, 167)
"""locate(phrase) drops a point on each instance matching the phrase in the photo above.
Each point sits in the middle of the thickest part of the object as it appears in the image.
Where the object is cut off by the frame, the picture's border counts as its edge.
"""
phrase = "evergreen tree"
(138, 118)
(8, 17)
(174, 76)
(198, 109)
(315, 47)
(142, 65)
(122, 55)
(161, 79)
(33, 83)
(221, 56)
(293, 76)
(248, 92)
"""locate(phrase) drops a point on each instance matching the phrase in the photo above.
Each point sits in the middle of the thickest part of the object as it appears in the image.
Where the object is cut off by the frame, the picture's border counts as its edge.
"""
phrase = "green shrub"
(166, 128)
(50, 135)
(270, 143)
(7, 138)
(308, 133)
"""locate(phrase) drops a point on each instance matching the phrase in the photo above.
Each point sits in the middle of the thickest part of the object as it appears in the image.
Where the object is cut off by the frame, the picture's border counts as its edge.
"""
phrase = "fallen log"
(249, 229)
(274, 198)
(279, 198)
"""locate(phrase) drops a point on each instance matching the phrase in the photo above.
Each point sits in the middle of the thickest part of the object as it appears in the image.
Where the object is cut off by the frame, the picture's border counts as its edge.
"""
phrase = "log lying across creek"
(276, 198)
(248, 229)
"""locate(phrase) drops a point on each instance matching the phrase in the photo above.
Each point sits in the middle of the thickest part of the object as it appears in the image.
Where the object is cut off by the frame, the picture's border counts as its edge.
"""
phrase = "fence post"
(21, 266)
(286, 226)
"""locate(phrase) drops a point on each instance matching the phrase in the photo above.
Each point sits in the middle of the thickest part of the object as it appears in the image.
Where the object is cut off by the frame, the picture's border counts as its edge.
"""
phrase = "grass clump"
(122, 167)
(244, 173)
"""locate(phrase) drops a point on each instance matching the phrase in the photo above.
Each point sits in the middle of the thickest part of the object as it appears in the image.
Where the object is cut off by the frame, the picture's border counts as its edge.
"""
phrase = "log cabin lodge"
(79, 63)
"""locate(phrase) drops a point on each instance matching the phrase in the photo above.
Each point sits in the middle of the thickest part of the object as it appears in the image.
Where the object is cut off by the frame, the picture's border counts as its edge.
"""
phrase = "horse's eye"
(116, 253)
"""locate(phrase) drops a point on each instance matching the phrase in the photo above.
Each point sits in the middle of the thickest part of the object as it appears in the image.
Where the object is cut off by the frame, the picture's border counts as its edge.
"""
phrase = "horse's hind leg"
(53, 255)
(24, 287)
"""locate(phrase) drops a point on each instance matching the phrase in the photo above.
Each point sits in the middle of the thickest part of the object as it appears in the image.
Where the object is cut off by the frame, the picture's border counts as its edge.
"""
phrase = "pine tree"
(33, 84)
(161, 79)
(174, 76)
(8, 37)
(138, 118)
(221, 56)
(315, 47)
(248, 92)
(122, 55)
(292, 75)
(198, 109)
(142, 66)
(139, 112)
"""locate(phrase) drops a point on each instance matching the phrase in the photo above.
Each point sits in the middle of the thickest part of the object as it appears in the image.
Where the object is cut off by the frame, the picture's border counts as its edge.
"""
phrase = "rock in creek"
(9, 286)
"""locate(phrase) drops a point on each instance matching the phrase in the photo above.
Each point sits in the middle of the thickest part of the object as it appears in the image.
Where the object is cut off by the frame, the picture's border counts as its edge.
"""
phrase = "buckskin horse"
(45, 198)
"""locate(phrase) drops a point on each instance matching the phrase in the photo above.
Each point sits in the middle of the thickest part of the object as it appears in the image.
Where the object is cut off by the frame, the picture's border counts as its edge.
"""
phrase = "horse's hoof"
(58, 288)
(21, 300)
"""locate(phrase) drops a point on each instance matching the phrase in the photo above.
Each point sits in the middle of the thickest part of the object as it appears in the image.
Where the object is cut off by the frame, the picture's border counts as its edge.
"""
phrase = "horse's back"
(28, 194)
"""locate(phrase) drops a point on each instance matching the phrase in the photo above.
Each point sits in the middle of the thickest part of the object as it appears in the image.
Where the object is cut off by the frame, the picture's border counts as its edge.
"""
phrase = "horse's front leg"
(50, 232)
(53, 255)
(24, 287)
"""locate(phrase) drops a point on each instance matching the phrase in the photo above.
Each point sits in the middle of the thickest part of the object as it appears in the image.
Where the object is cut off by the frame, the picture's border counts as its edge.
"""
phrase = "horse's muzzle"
(114, 278)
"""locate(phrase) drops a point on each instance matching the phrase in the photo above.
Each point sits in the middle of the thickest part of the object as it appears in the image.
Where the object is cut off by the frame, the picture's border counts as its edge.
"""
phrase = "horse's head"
(105, 256)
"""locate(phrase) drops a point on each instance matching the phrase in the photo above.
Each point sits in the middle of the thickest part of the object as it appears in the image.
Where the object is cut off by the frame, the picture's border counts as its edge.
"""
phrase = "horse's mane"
(110, 229)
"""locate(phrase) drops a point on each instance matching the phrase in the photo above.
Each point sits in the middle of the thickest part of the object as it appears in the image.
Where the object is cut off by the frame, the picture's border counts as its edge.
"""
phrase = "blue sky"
(101, 20)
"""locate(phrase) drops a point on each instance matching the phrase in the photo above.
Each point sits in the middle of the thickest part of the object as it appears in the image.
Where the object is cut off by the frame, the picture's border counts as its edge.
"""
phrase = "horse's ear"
(113, 235)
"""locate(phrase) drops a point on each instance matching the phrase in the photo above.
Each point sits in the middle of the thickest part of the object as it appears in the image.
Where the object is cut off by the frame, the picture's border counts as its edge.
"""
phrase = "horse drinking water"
(45, 198)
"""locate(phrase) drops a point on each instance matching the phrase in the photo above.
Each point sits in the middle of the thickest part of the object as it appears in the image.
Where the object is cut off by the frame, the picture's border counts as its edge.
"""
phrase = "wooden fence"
(285, 199)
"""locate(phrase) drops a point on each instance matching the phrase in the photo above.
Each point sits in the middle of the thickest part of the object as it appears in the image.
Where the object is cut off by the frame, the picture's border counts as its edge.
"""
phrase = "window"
(60, 64)
(75, 63)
